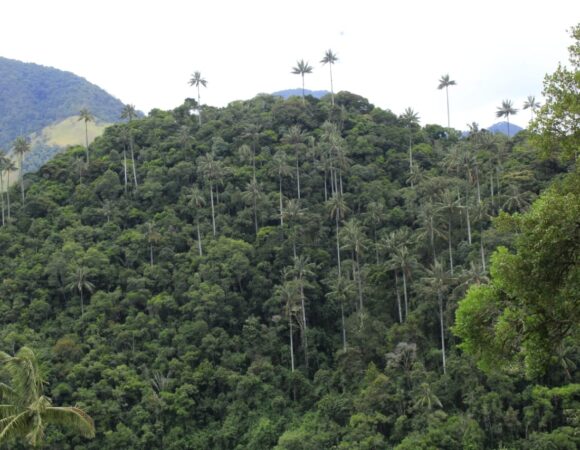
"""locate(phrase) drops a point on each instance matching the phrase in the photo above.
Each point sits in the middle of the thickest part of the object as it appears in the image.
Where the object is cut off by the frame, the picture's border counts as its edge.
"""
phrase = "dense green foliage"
(33, 97)
(270, 279)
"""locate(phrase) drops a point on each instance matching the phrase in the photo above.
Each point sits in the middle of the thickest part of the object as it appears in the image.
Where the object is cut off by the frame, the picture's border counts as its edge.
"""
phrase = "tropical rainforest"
(303, 274)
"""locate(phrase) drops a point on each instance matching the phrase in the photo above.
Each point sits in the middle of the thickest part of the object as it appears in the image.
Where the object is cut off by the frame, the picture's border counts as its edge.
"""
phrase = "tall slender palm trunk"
(22, 177)
(281, 202)
(131, 145)
(297, 174)
(447, 96)
(305, 332)
(450, 244)
(343, 326)
(2, 195)
(405, 293)
(398, 297)
(8, 195)
(198, 106)
(331, 85)
(440, 298)
(87, 140)
(212, 208)
(125, 166)
(199, 247)
(291, 342)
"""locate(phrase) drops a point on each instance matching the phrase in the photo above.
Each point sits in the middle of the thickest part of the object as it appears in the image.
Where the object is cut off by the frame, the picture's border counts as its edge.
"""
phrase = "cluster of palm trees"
(303, 68)
(505, 110)
(20, 148)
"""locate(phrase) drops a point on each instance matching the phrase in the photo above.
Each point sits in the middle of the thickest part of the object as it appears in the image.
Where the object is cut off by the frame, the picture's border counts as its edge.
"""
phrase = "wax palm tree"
(153, 238)
(251, 195)
(79, 281)
(506, 110)
(293, 213)
(130, 113)
(353, 236)
(197, 81)
(532, 105)
(406, 262)
(86, 116)
(389, 244)
(437, 280)
(426, 398)
(302, 68)
(428, 229)
(7, 166)
(3, 163)
(196, 200)
(302, 270)
(410, 120)
(289, 297)
(375, 215)
(210, 169)
(295, 137)
(448, 205)
(444, 82)
(21, 147)
(337, 208)
(330, 59)
(341, 289)
(279, 166)
(25, 411)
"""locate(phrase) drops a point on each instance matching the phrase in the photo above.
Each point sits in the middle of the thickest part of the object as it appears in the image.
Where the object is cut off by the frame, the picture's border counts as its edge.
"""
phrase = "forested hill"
(33, 97)
(278, 274)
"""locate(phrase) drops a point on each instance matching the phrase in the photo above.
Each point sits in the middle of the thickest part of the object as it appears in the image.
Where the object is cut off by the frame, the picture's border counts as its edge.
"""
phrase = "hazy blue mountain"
(502, 127)
(33, 97)
(298, 92)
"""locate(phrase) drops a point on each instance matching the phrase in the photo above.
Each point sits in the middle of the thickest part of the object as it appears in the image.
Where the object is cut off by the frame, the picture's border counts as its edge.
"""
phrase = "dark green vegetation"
(33, 96)
(286, 274)
(165, 314)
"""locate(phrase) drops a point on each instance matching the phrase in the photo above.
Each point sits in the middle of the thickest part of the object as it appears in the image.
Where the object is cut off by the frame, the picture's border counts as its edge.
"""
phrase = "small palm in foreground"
(25, 411)
(506, 110)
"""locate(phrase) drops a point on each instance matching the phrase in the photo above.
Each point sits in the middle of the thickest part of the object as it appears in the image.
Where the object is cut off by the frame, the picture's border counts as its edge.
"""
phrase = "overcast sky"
(391, 52)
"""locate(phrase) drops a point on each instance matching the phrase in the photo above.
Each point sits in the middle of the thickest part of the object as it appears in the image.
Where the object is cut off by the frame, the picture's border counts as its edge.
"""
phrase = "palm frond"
(71, 417)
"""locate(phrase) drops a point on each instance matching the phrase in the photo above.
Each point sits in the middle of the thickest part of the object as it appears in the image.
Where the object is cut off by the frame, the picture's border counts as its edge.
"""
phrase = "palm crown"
(25, 410)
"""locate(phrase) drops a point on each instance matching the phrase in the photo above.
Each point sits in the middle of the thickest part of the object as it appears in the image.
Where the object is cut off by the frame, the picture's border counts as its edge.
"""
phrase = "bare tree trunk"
(281, 204)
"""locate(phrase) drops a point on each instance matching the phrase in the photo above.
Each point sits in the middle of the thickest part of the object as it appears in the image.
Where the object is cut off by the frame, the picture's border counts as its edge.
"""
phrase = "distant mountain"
(298, 93)
(35, 98)
(502, 127)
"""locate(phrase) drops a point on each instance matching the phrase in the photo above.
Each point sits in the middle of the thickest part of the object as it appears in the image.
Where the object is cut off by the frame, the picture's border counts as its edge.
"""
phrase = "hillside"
(34, 99)
(267, 280)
